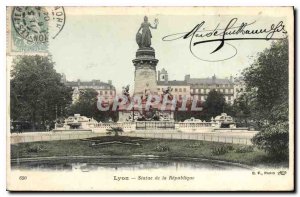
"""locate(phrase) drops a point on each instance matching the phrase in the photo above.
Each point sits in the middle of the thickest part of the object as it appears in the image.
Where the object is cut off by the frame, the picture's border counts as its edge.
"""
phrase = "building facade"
(199, 88)
(106, 90)
(180, 89)
(239, 87)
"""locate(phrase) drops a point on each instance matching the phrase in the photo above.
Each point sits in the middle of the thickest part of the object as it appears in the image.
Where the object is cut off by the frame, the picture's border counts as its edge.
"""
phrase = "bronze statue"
(147, 92)
(125, 91)
(167, 92)
(144, 39)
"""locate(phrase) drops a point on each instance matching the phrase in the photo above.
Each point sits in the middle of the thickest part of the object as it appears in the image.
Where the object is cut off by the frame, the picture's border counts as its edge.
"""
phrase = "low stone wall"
(243, 129)
(235, 138)
(196, 124)
(102, 127)
(51, 136)
(190, 127)
(196, 129)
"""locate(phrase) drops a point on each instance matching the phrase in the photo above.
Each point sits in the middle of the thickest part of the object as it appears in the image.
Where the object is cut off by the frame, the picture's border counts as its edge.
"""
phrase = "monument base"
(145, 72)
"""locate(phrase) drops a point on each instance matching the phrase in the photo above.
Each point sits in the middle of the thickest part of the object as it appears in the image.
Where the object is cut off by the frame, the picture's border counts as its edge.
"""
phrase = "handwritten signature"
(232, 32)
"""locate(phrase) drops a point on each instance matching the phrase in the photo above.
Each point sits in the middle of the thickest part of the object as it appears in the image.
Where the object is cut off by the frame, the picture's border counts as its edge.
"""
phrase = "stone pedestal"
(145, 72)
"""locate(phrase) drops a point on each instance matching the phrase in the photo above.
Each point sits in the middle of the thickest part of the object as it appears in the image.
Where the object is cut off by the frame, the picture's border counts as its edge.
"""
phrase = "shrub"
(114, 131)
(194, 145)
(35, 148)
(274, 139)
(220, 150)
(229, 147)
(162, 148)
(244, 149)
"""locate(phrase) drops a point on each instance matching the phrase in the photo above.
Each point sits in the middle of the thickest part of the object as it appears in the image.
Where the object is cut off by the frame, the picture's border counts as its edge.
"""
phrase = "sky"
(102, 47)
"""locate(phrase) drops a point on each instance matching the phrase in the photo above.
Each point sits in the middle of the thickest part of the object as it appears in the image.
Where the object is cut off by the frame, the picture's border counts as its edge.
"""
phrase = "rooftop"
(172, 83)
(208, 81)
(89, 83)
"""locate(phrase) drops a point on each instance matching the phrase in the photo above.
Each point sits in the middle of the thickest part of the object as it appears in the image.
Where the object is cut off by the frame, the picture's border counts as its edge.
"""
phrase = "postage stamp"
(150, 98)
(32, 27)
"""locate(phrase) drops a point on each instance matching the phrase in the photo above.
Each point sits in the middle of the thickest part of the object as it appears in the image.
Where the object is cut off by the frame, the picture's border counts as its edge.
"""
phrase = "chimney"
(214, 78)
(110, 82)
(187, 77)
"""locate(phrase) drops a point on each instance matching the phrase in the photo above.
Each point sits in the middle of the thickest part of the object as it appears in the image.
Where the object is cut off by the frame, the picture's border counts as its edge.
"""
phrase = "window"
(207, 91)
(197, 90)
(101, 92)
(184, 89)
(180, 89)
(226, 90)
(105, 92)
(202, 91)
(192, 90)
(202, 98)
(111, 93)
(176, 89)
(158, 89)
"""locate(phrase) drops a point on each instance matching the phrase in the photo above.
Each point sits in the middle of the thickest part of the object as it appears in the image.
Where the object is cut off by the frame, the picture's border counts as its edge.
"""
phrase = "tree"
(242, 109)
(37, 94)
(187, 114)
(267, 79)
(87, 106)
(214, 105)
(274, 139)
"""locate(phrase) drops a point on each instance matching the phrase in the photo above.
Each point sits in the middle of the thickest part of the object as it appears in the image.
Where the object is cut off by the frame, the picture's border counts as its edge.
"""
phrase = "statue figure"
(167, 92)
(125, 91)
(144, 39)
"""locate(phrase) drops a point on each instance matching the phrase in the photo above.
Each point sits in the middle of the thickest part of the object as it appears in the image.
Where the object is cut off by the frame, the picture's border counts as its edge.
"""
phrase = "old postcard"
(150, 98)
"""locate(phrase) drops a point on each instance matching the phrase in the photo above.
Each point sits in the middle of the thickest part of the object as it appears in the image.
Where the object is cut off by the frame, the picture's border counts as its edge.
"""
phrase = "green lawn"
(160, 147)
